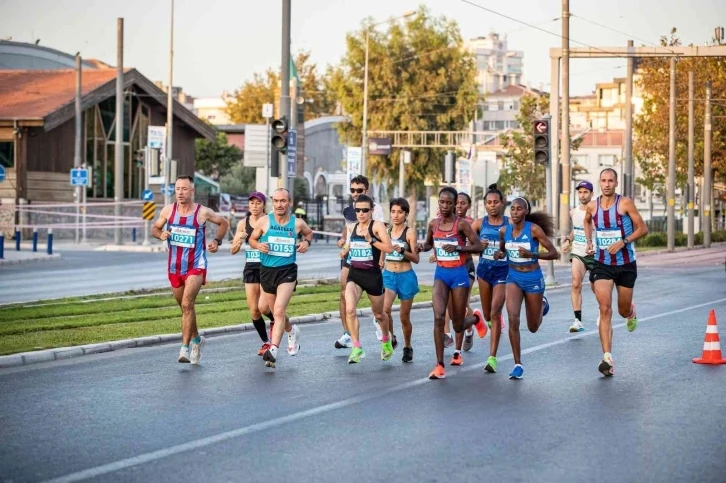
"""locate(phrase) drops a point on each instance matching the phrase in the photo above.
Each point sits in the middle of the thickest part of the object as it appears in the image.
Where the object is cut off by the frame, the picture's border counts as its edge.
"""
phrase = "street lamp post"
(364, 142)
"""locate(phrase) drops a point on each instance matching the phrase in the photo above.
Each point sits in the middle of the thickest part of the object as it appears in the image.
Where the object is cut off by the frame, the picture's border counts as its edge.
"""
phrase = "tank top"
(398, 242)
(282, 243)
(524, 240)
(579, 241)
(451, 237)
(491, 234)
(252, 256)
(186, 243)
(610, 228)
(362, 255)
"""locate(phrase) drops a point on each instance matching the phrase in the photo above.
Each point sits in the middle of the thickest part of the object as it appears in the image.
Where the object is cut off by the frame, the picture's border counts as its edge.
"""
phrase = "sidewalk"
(12, 257)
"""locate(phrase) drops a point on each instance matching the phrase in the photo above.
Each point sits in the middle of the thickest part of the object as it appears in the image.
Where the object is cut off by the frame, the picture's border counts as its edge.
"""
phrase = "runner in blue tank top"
(519, 241)
(617, 225)
(183, 226)
(491, 273)
(275, 236)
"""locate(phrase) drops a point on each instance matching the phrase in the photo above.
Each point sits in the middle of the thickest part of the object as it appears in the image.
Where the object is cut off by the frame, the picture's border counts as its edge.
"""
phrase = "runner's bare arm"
(239, 238)
(413, 255)
(222, 227)
(262, 226)
(344, 236)
(429, 243)
(591, 207)
(157, 230)
(540, 236)
(567, 241)
(502, 248)
(475, 245)
(641, 229)
(384, 241)
(303, 228)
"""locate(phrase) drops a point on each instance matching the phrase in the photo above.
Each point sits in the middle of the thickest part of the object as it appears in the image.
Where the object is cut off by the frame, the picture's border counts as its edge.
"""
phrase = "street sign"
(168, 189)
(79, 177)
(147, 195)
(380, 146)
(148, 211)
(267, 111)
(540, 127)
(156, 137)
(291, 153)
(2, 173)
(354, 160)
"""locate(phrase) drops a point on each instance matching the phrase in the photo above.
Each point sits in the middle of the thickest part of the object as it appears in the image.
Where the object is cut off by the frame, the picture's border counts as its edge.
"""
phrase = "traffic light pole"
(550, 278)
(285, 80)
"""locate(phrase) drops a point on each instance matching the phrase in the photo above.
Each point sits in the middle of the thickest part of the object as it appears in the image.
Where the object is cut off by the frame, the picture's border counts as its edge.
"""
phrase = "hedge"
(660, 239)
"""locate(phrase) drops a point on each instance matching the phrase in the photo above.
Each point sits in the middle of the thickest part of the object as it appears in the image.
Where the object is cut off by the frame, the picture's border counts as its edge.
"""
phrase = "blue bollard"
(2, 246)
(133, 235)
(35, 240)
(50, 241)
(17, 239)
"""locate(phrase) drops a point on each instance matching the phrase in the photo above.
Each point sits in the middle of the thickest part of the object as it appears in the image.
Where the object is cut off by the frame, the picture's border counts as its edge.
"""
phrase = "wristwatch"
(219, 242)
(626, 241)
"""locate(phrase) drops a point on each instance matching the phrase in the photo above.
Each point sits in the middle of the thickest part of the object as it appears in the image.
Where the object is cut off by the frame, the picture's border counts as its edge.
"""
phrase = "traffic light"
(542, 142)
(279, 135)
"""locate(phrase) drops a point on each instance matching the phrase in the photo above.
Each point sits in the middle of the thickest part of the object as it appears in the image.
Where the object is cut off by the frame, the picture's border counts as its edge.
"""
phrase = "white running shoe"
(577, 326)
(184, 355)
(344, 342)
(197, 351)
(270, 356)
(293, 341)
(379, 332)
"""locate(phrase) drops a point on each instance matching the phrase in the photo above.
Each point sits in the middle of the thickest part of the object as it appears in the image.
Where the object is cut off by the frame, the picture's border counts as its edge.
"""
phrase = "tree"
(651, 126)
(239, 181)
(245, 104)
(216, 158)
(420, 78)
(520, 171)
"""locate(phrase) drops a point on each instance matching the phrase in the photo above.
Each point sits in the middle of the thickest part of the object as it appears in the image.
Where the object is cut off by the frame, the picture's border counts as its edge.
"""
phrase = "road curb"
(60, 353)
(45, 258)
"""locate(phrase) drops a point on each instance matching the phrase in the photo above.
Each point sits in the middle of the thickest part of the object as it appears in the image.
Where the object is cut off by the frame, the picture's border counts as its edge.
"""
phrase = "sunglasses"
(360, 191)
(364, 210)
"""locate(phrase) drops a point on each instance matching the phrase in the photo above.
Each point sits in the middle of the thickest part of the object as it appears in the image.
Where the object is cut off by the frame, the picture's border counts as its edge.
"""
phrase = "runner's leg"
(192, 285)
(514, 308)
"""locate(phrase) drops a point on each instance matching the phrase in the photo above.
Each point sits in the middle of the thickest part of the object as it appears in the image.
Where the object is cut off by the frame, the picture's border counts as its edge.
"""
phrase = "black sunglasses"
(358, 190)
(364, 210)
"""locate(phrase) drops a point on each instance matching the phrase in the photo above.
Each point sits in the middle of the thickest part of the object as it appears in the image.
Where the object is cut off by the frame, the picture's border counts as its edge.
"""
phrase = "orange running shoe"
(438, 372)
(481, 326)
(457, 360)
(264, 347)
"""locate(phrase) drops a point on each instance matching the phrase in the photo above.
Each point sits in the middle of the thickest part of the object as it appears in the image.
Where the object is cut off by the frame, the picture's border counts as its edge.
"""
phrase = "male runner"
(576, 243)
(187, 267)
(275, 236)
(617, 224)
(358, 185)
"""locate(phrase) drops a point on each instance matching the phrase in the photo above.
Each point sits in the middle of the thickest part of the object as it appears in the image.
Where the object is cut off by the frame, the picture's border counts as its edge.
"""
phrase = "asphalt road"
(137, 415)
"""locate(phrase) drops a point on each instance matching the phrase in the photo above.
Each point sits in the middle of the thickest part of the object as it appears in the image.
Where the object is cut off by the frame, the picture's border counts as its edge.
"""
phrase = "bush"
(660, 239)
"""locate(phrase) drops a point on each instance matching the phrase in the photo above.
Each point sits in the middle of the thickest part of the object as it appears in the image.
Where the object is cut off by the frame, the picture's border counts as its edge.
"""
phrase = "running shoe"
(262, 349)
(546, 306)
(457, 360)
(270, 356)
(632, 321)
(491, 366)
(379, 332)
(438, 372)
(394, 342)
(344, 342)
(386, 350)
(356, 355)
(196, 350)
(577, 326)
(184, 355)
(448, 340)
(517, 372)
(468, 340)
(293, 341)
(607, 367)
(407, 354)
(481, 327)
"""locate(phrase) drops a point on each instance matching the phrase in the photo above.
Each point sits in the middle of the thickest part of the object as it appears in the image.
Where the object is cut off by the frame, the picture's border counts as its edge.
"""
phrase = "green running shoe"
(356, 355)
(386, 350)
(491, 366)
(632, 321)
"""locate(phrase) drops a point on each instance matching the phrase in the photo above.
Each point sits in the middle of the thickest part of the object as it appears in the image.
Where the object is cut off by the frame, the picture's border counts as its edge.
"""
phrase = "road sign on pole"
(79, 177)
(148, 211)
(354, 161)
(147, 195)
(291, 153)
(166, 189)
(2, 173)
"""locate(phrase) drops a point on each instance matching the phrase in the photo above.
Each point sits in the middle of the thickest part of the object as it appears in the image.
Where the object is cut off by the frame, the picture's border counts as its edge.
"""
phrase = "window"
(500, 125)
(606, 160)
(7, 154)
(500, 105)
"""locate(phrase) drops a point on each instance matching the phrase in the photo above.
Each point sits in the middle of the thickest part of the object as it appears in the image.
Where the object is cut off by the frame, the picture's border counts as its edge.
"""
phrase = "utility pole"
(285, 80)
(628, 168)
(168, 156)
(671, 226)
(118, 172)
(566, 178)
(550, 280)
(707, 196)
(77, 151)
(691, 185)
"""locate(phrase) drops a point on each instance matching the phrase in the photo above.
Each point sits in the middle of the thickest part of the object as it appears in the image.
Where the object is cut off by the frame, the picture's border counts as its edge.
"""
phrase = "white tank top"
(579, 241)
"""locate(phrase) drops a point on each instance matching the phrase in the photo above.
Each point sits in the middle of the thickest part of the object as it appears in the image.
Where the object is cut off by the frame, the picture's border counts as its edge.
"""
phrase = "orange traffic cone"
(711, 346)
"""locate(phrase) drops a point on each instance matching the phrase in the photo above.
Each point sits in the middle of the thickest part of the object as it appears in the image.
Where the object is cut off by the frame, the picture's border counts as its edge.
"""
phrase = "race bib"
(580, 240)
(360, 251)
(395, 256)
(513, 251)
(281, 246)
(490, 250)
(182, 236)
(441, 254)
(605, 238)
(251, 254)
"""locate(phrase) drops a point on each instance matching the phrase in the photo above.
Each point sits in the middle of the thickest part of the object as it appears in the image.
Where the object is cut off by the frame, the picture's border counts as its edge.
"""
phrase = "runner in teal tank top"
(276, 238)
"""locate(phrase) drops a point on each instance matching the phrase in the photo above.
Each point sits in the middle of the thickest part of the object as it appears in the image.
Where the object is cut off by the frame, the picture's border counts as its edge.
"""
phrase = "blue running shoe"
(517, 372)
(546, 306)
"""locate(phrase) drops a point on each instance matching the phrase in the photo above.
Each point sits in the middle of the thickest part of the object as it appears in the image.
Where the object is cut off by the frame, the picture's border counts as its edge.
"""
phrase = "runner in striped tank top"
(617, 224)
(183, 226)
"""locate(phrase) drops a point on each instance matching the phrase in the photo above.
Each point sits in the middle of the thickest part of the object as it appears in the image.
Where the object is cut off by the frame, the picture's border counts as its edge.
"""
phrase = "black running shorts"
(622, 275)
(273, 277)
(251, 273)
(371, 281)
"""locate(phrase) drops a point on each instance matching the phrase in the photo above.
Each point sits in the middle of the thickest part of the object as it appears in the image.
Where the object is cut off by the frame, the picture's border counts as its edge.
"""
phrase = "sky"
(218, 44)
